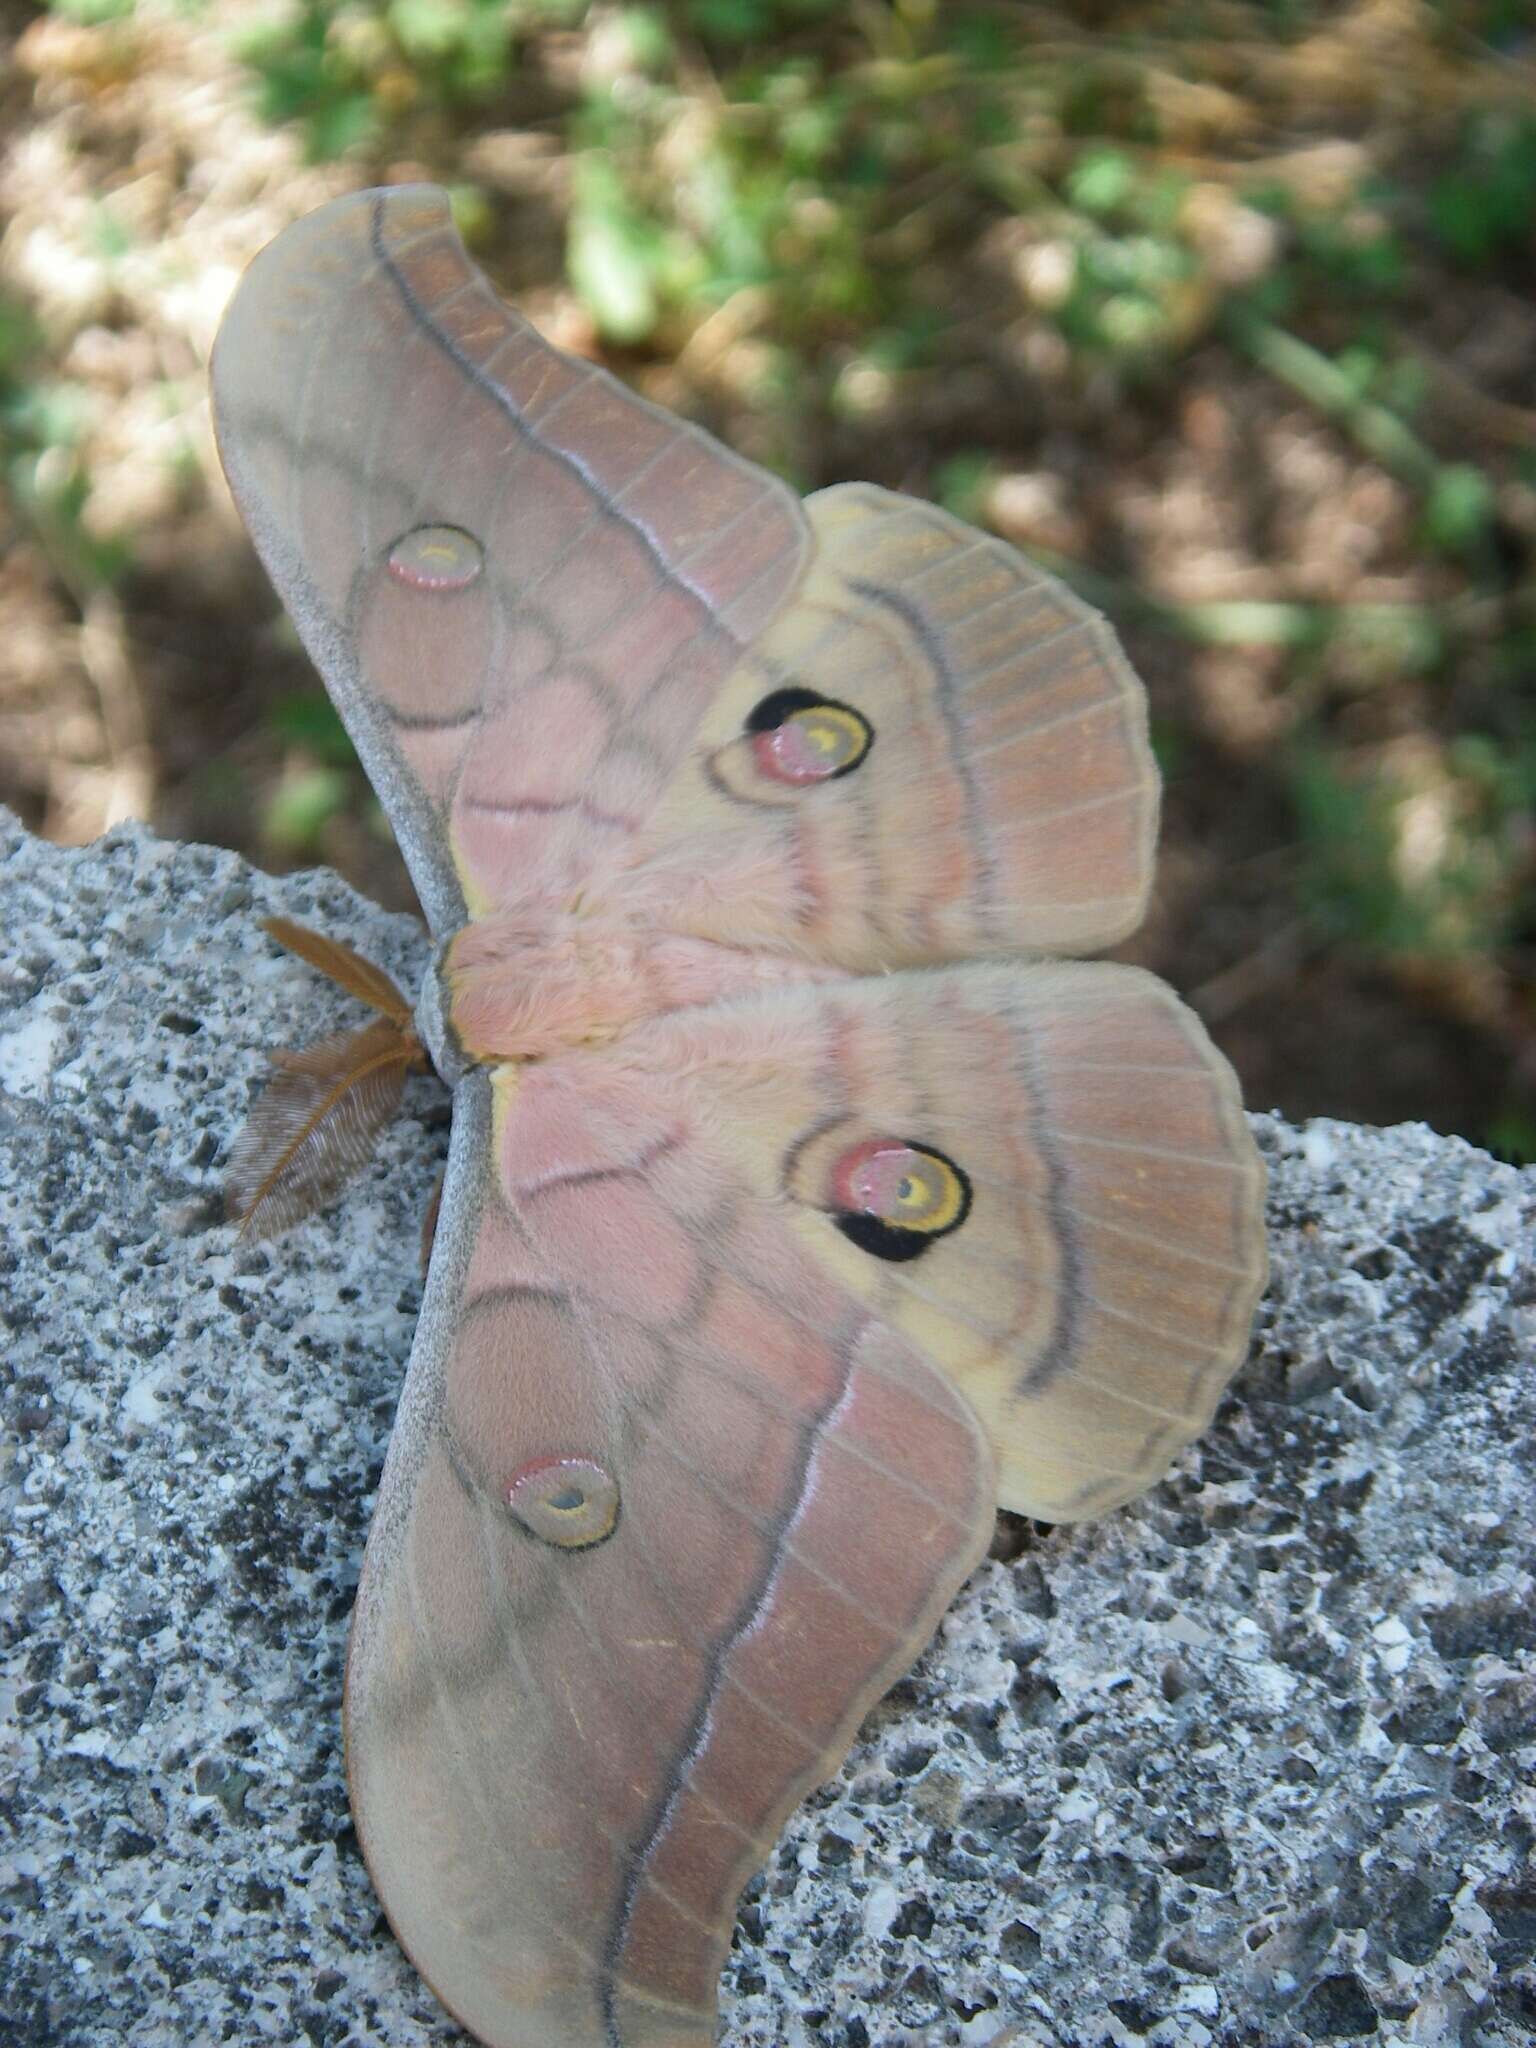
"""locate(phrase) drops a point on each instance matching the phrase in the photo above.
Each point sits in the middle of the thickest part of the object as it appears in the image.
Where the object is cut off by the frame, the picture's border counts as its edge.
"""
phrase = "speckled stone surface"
(1248, 1763)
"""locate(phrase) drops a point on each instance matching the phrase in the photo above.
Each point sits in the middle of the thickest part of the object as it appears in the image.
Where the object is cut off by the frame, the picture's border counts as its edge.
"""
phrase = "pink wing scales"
(566, 1761)
(521, 605)
(1006, 796)
(678, 1484)
(1071, 1109)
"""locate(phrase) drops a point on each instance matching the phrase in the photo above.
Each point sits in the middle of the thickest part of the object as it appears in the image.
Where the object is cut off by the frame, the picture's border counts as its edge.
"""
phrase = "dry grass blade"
(316, 1125)
(341, 963)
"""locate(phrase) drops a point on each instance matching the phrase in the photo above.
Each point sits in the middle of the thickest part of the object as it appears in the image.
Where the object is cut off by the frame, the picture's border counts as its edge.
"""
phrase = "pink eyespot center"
(436, 558)
(571, 1502)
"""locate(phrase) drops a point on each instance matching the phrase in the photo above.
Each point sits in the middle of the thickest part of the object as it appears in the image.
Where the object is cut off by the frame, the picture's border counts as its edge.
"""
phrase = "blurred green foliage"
(829, 174)
(93, 13)
(43, 421)
(1481, 206)
(1361, 880)
(345, 73)
(833, 210)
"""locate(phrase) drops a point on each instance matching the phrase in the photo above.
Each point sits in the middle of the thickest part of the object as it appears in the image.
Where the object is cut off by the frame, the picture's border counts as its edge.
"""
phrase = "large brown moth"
(800, 1206)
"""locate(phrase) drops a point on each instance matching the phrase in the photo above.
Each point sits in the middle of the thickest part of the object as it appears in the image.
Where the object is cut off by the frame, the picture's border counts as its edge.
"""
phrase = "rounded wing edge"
(565, 1763)
(490, 548)
(280, 324)
(1032, 619)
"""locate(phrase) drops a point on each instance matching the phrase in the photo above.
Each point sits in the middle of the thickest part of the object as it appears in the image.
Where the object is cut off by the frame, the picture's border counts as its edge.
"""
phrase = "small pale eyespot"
(436, 558)
(895, 1198)
(798, 737)
(570, 1502)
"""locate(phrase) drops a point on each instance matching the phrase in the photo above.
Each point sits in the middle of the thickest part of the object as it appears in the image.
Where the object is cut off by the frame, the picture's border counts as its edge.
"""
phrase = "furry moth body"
(802, 1204)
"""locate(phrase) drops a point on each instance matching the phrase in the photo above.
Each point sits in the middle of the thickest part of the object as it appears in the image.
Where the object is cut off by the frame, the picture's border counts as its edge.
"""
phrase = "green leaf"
(1101, 180)
(348, 122)
(647, 42)
(302, 805)
(1459, 508)
(613, 254)
(961, 484)
(92, 13)
(611, 274)
(1512, 1136)
(308, 719)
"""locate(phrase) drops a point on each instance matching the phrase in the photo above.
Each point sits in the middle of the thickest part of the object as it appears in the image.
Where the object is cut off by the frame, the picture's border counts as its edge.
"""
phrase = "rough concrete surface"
(1247, 1763)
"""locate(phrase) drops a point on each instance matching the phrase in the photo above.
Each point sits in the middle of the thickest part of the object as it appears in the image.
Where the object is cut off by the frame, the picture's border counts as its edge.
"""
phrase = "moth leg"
(316, 1123)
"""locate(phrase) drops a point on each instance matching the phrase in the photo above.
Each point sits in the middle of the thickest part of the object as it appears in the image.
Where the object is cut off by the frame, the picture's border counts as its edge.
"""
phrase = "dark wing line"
(587, 1176)
(741, 1625)
(917, 623)
(1056, 1353)
(523, 427)
(329, 632)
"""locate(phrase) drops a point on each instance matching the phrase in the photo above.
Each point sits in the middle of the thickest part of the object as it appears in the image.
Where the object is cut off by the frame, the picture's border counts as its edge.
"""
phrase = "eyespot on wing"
(570, 1502)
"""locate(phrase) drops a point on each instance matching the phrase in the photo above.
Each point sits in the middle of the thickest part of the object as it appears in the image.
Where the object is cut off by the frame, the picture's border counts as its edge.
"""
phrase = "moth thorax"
(525, 984)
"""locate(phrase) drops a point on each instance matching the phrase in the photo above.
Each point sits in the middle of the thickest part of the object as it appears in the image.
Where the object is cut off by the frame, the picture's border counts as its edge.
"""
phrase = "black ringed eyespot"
(895, 1198)
(801, 738)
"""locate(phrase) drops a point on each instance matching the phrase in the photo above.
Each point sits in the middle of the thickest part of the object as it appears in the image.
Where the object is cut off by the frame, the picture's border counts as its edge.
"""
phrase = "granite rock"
(1249, 1762)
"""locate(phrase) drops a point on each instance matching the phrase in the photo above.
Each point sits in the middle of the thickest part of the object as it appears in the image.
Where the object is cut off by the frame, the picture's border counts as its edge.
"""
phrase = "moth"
(802, 1202)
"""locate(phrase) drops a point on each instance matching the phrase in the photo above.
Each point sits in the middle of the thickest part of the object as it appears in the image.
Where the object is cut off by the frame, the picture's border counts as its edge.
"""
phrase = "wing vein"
(504, 402)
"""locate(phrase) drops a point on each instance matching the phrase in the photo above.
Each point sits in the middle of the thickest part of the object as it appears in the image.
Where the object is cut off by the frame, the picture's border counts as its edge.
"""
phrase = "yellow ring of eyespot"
(435, 558)
(840, 736)
(929, 1200)
(570, 1502)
